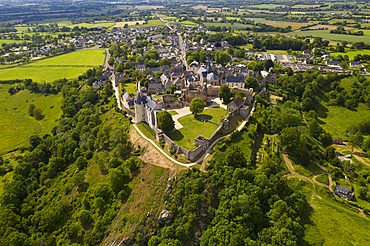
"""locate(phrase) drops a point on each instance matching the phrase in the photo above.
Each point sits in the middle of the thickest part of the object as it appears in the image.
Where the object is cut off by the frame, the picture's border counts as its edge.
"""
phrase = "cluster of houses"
(308, 58)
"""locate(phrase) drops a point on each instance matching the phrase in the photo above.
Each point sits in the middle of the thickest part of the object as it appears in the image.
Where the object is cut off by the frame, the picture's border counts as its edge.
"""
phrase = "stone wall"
(192, 154)
(129, 111)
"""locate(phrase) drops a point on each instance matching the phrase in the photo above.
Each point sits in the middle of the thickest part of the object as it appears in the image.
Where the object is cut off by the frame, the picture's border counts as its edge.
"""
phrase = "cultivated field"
(17, 126)
(129, 23)
(91, 25)
(236, 26)
(67, 66)
(325, 34)
(153, 23)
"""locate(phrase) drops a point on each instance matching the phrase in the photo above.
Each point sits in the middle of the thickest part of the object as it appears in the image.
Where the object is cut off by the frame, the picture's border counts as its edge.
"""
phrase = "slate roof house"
(344, 192)
(235, 81)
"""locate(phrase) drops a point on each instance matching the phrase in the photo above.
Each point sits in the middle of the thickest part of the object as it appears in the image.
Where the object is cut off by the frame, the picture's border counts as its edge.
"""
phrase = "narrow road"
(165, 22)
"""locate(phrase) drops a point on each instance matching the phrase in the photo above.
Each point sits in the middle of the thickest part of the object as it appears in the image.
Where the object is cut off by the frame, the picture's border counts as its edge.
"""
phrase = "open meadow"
(16, 124)
(351, 54)
(336, 119)
(325, 34)
(67, 66)
(329, 222)
(91, 25)
(236, 26)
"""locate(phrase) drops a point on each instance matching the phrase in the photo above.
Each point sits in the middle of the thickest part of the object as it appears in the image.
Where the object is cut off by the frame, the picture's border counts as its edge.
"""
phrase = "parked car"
(348, 156)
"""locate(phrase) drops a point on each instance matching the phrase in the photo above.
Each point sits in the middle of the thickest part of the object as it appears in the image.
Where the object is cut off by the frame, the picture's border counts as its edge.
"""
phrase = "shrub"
(162, 143)
(173, 151)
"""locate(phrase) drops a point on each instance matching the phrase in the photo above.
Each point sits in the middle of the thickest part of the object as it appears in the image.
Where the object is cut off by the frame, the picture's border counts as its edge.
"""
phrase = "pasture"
(336, 119)
(67, 66)
(17, 126)
(129, 23)
(11, 41)
(91, 25)
(236, 26)
(330, 222)
(156, 22)
(325, 34)
(351, 54)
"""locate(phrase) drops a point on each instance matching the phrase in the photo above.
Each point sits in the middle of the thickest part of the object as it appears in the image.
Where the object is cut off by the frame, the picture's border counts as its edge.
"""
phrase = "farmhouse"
(344, 192)
(337, 140)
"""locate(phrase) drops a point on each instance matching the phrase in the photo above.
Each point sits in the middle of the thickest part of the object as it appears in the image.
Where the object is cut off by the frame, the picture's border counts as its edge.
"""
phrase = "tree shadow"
(321, 110)
(206, 116)
(360, 154)
(176, 135)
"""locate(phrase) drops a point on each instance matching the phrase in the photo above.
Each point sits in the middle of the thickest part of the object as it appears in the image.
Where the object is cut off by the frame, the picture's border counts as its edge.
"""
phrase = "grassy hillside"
(17, 126)
(331, 223)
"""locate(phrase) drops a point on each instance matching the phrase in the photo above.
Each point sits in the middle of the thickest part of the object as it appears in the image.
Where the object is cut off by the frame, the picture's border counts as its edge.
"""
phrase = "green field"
(188, 23)
(79, 58)
(91, 25)
(264, 6)
(194, 127)
(17, 126)
(11, 41)
(329, 222)
(156, 22)
(236, 26)
(336, 119)
(351, 54)
(214, 114)
(130, 88)
(64, 66)
(325, 34)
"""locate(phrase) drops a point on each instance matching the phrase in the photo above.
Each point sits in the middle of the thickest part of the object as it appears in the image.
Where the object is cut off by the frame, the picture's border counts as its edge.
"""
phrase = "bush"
(173, 151)
(162, 143)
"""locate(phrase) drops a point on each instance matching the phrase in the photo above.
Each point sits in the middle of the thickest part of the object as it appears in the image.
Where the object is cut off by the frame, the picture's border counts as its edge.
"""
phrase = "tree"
(221, 57)
(268, 64)
(240, 94)
(31, 107)
(224, 94)
(119, 68)
(114, 162)
(84, 217)
(290, 139)
(196, 106)
(329, 153)
(37, 113)
(355, 140)
(111, 61)
(127, 65)
(81, 163)
(307, 104)
(165, 121)
(251, 82)
(108, 89)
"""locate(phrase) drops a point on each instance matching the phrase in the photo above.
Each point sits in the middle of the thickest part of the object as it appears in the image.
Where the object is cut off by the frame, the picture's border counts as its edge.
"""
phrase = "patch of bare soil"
(151, 155)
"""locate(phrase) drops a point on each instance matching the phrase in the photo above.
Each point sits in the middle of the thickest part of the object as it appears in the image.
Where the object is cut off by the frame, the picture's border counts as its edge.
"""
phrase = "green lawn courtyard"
(193, 127)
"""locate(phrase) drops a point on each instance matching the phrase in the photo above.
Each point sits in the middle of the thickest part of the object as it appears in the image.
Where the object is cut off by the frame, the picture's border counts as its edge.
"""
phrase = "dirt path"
(151, 154)
(319, 183)
(355, 152)
(294, 173)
